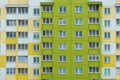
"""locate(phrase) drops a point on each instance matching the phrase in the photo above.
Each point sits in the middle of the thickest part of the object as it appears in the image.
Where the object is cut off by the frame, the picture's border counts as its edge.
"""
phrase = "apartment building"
(19, 40)
(71, 39)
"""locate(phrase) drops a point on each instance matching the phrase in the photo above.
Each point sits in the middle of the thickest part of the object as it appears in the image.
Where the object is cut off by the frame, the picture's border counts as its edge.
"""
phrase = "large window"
(36, 11)
(22, 71)
(94, 57)
(23, 10)
(117, 9)
(22, 22)
(117, 33)
(22, 34)
(118, 46)
(94, 45)
(22, 58)
(22, 46)
(11, 58)
(107, 47)
(47, 8)
(36, 23)
(47, 32)
(36, 47)
(106, 35)
(11, 10)
(47, 45)
(118, 58)
(117, 21)
(93, 32)
(94, 20)
(11, 34)
(47, 20)
(107, 72)
(36, 72)
(62, 9)
(47, 57)
(11, 46)
(47, 70)
(107, 23)
(10, 70)
(36, 59)
(36, 35)
(93, 69)
(11, 22)
(93, 7)
(107, 59)
(118, 70)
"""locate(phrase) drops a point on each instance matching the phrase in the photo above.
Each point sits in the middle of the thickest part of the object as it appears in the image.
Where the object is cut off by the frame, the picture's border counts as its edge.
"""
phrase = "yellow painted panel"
(112, 61)
(2, 61)
(11, 40)
(117, 40)
(117, 1)
(31, 76)
(112, 13)
(10, 77)
(118, 76)
(21, 28)
(22, 65)
(17, 1)
(112, 34)
(11, 53)
(22, 77)
(3, 13)
(2, 37)
(31, 49)
(117, 52)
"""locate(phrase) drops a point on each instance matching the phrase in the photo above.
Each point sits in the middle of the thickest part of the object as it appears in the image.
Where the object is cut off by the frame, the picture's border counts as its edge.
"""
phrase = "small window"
(117, 21)
(62, 71)
(107, 23)
(36, 72)
(78, 46)
(36, 23)
(78, 71)
(117, 9)
(78, 21)
(36, 47)
(62, 46)
(62, 9)
(107, 47)
(106, 35)
(78, 9)
(62, 58)
(78, 33)
(36, 11)
(62, 34)
(107, 59)
(36, 60)
(106, 10)
(62, 21)
(36, 35)
(107, 72)
(78, 58)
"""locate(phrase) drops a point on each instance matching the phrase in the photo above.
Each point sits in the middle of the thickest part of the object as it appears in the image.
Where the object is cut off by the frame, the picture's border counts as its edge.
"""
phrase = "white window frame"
(62, 46)
(78, 58)
(62, 71)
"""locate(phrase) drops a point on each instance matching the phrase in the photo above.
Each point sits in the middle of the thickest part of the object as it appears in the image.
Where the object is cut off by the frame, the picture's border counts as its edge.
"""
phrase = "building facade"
(19, 40)
(71, 39)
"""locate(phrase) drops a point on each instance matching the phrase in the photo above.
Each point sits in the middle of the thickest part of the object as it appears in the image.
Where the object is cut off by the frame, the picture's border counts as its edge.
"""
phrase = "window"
(22, 58)
(118, 70)
(22, 22)
(62, 21)
(10, 70)
(36, 47)
(107, 72)
(62, 9)
(22, 46)
(22, 71)
(47, 32)
(94, 79)
(47, 57)
(62, 46)
(117, 33)
(106, 59)
(62, 71)
(23, 10)
(78, 58)
(94, 57)
(107, 23)
(78, 21)
(94, 20)
(47, 69)
(36, 11)
(11, 58)
(22, 34)
(36, 72)
(118, 46)
(36, 23)
(47, 20)
(107, 47)
(11, 22)
(36, 59)
(11, 34)
(106, 10)
(94, 45)
(47, 8)
(93, 69)
(93, 7)
(62, 58)
(11, 10)
(78, 70)
(106, 35)
(117, 9)
(36, 35)
(117, 58)
(47, 45)
(93, 32)
(62, 34)
(78, 9)
(117, 21)
(11, 46)
(78, 46)
(78, 33)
